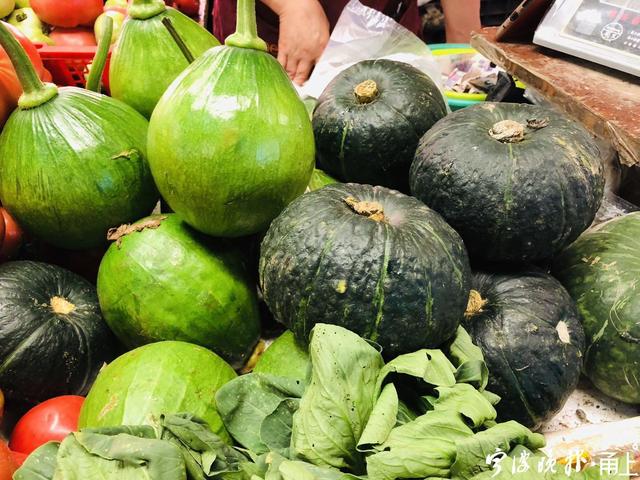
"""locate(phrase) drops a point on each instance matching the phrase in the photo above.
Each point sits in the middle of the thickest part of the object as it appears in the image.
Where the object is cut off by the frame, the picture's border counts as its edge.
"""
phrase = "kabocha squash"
(230, 142)
(518, 182)
(370, 118)
(160, 378)
(146, 58)
(161, 280)
(600, 271)
(529, 330)
(73, 161)
(53, 340)
(369, 259)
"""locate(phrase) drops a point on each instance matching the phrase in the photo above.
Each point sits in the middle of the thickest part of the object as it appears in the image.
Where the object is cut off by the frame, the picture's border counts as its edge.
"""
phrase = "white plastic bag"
(363, 33)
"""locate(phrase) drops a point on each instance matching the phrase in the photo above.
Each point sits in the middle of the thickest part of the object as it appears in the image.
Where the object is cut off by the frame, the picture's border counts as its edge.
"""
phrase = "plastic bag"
(363, 33)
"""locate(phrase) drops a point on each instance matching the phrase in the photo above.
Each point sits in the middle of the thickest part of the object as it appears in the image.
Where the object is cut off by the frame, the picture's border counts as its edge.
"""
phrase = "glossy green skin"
(375, 143)
(319, 179)
(146, 59)
(60, 175)
(510, 202)
(44, 354)
(285, 357)
(530, 367)
(600, 271)
(171, 283)
(230, 143)
(403, 283)
(160, 378)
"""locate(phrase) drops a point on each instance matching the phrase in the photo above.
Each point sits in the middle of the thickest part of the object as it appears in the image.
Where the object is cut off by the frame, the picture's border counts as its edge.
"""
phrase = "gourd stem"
(371, 210)
(100, 58)
(246, 35)
(507, 131)
(35, 92)
(168, 24)
(366, 92)
(143, 9)
(475, 305)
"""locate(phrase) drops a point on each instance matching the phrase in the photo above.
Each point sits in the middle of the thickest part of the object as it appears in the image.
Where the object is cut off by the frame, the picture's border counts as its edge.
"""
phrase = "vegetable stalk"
(100, 59)
(35, 92)
(143, 9)
(178, 39)
(246, 35)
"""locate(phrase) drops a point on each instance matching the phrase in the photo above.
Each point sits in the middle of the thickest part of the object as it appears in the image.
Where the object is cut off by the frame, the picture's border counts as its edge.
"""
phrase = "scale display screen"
(603, 31)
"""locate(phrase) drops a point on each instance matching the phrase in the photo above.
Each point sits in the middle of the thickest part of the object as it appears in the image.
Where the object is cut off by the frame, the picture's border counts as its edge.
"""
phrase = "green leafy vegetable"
(469, 360)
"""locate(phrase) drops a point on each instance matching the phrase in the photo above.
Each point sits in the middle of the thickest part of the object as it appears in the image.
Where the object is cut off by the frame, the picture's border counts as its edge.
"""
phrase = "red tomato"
(67, 13)
(12, 238)
(7, 464)
(18, 458)
(1, 405)
(10, 88)
(51, 420)
(73, 37)
(188, 7)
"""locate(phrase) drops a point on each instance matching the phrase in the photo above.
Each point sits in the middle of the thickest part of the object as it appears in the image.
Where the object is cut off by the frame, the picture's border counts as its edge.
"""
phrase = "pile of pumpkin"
(448, 220)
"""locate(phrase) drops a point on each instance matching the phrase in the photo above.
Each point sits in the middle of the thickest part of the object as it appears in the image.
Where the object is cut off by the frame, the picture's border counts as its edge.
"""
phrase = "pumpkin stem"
(122, 231)
(371, 210)
(100, 58)
(246, 35)
(475, 305)
(255, 356)
(168, 24)
(366, 92)
(61, 306)
(144, 9)
(35, 92)
(507, 131)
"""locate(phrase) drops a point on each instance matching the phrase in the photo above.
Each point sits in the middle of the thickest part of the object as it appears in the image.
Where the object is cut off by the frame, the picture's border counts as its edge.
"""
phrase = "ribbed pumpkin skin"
(74, 167)
(160, 378)
(600, 271)
(510, 202)
(171, 283)
(402, 283)
(230, 143)
(374, 143)
(146, 59)
(532, 340)
(44, 354)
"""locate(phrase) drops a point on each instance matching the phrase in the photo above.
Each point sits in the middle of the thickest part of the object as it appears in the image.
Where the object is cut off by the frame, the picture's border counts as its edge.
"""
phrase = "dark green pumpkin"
(230, 142)
(53, 340)
(601, 272)
(370, 118)
(394, 273)
(518, 182)
(529, 330)
(146, 59)
(161, 280)
(73, 161)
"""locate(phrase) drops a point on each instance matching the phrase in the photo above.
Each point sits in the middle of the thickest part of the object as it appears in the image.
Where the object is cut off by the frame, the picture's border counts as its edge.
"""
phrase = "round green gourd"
(370, 118)
(319, 179)
(73, 161)
(600, 271)
(230, 142)
(53, 340)
(529, 330)
(369, 259)
(161, 280)
(285, 357)
(146, 58)
(160, 378)
(518, 182)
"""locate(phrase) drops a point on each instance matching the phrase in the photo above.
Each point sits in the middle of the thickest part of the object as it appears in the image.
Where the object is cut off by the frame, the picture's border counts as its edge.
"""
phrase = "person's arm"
(461, 17)
(304, 33)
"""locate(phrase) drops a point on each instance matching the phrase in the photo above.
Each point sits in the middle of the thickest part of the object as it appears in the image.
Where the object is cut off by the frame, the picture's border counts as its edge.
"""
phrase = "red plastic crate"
(68, 65)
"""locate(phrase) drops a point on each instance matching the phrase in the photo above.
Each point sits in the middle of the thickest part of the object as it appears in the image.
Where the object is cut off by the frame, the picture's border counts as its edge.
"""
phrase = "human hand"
(304, 33)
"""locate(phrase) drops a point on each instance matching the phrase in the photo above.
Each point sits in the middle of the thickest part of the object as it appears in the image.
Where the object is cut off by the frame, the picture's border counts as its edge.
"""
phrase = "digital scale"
(602, 31)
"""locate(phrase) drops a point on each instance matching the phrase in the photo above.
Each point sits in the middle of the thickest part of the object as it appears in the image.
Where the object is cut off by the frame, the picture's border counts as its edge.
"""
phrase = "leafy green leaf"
(382, 420)
(40, 465)
(432, 366)
(339, 399)
(275, 431)
(466, 400)
(469, 360)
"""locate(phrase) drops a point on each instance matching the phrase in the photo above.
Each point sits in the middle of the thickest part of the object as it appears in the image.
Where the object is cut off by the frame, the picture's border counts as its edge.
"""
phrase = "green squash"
(319, 179)
(600, 271)
(230, 142)
(518, 182)
(73, 161)
(160, 378)
(529, 330)
(53, 340)
(146, 58)
(285, 357)
(369, 259)
(370, 118)
(161, 280)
